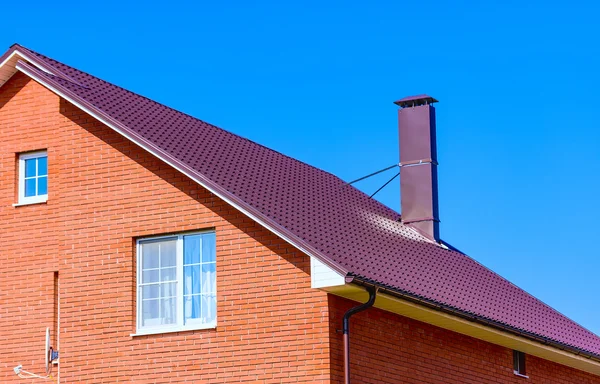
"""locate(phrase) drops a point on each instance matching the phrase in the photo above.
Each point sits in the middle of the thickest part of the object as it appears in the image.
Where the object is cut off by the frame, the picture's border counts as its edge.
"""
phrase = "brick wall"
(388, 348)
(103, 193)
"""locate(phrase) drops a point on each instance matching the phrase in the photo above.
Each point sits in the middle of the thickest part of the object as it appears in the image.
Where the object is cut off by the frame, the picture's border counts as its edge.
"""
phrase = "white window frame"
(30, 199)
(179, 260)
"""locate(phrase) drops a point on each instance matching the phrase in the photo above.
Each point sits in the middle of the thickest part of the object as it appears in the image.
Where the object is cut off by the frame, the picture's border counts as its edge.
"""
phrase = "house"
(159, 248)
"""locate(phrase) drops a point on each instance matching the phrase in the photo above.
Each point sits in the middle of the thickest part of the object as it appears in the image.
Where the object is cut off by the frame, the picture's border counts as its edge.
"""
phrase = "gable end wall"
(103, 193)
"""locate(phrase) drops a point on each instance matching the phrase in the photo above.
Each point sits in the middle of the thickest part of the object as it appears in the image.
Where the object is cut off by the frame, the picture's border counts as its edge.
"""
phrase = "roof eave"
(405, 295)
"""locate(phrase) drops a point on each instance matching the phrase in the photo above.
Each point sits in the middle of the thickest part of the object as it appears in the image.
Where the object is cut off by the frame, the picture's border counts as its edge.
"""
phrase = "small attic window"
(519, 364)
(33, 177)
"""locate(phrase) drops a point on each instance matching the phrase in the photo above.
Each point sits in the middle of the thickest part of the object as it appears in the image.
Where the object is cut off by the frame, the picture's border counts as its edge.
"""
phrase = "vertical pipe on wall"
(346, 330)
(56, 324)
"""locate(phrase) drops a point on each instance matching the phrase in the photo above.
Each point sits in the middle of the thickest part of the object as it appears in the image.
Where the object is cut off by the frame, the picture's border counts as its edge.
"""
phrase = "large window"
(33, 177)
(176, 283)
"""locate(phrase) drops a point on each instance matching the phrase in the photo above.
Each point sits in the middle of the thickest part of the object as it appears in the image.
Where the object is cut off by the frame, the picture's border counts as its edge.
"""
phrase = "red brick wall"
(388, 348)
(103, 193)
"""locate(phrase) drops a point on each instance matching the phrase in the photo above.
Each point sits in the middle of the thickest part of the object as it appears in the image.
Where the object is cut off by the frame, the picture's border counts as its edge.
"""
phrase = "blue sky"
(518, 129)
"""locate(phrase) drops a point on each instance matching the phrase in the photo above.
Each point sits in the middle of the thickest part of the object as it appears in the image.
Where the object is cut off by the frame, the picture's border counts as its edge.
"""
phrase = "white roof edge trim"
(25, 57)
(10, 57)
(157, 152)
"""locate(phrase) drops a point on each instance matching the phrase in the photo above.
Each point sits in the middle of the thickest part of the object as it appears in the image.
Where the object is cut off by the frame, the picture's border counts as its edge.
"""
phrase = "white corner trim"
(321, 276)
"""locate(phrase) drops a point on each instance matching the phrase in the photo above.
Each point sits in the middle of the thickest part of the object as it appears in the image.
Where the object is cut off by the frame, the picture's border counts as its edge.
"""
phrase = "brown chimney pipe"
(418, 164)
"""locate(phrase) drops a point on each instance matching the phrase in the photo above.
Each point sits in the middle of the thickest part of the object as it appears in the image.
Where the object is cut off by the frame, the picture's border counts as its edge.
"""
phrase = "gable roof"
(311, 209)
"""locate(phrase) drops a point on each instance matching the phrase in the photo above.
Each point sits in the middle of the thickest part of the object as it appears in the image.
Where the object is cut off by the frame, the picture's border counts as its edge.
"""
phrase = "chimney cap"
(413, 101)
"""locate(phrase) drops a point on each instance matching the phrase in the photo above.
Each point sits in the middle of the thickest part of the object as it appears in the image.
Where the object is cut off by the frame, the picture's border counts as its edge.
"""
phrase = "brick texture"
(388, 348)
(104, 192)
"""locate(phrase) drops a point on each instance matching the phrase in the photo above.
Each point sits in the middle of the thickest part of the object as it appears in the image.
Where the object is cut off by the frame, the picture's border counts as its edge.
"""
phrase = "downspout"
(346, 329)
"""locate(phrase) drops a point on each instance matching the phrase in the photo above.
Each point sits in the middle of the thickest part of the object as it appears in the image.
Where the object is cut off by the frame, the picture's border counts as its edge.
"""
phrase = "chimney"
(418, 164)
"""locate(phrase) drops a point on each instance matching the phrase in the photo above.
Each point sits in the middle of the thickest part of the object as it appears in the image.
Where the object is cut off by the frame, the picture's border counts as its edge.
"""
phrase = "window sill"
(520, 375)
(30, 203)
(158, 331)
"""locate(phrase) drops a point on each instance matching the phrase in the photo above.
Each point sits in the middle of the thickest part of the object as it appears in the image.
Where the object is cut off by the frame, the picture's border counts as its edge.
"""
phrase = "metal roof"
(316, 211)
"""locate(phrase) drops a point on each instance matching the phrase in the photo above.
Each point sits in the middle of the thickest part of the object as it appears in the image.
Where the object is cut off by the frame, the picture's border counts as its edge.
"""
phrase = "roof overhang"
(332, 282)
(392, 303)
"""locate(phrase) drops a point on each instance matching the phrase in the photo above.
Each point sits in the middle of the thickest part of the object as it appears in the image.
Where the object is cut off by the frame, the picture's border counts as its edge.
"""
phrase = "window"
(176, 283)
(519, 363)
(33, 177)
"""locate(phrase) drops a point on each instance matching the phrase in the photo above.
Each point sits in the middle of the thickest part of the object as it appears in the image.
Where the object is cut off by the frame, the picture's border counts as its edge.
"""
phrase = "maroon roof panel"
(358, 235)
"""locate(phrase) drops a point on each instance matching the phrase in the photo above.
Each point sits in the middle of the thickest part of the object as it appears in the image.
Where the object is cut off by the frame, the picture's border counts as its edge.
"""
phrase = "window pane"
(164, 267)
(29, 187)
(150, 276)
(192, 280)
(522, 363)
(150, 255)
(43, 185)
(208, 278)
(191, 249)
(208, 247)
(192, 307)
(150, 292)
(209, 308)
(150, 312)
(168, 290)
(30, 167)
(168, 307)
(168, 252)
(42, 166)
(168, 274)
